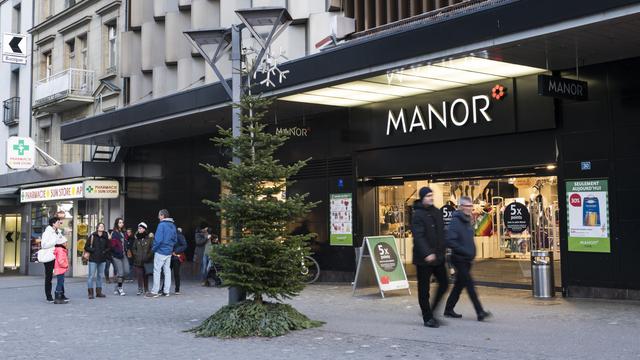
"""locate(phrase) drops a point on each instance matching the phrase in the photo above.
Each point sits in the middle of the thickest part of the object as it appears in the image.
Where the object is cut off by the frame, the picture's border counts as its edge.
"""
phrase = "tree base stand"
(250, 318)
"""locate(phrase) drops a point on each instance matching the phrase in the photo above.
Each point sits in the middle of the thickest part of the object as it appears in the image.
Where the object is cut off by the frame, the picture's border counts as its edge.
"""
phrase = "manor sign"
(458, 113)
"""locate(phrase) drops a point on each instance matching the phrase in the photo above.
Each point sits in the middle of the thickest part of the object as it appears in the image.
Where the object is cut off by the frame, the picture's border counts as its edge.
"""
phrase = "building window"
(44, 140)
(112, 49)
(47, 65)
(84, 54)
(16, 23)
(71, 53)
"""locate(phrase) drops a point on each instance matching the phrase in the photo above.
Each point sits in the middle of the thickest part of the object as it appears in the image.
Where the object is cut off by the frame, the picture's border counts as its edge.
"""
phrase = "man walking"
(163, 243)
(463, 250)
(429, 249)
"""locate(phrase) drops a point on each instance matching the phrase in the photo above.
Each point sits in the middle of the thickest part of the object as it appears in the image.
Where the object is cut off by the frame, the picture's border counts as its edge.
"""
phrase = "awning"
(536, 33)
(60, 173)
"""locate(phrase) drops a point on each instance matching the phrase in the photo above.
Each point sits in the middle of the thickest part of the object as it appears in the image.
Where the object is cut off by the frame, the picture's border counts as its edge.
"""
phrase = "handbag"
(45, 255)
(85, 253)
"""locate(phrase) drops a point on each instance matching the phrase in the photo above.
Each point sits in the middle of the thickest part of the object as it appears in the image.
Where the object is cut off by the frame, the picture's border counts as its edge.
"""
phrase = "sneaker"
(116, 292)
(121, 292)
(177, 293)
(140, 292)
(165, 295)
(151, 295)
(50, 300)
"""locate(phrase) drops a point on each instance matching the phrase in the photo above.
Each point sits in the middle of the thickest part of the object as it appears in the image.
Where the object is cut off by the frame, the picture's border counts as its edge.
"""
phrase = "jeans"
(204, 267)
(96, 270)
(60, 284)
(107, 266)
(463, 280)
(424, 286)
(48, 276)
(161, 263)
(122, 268)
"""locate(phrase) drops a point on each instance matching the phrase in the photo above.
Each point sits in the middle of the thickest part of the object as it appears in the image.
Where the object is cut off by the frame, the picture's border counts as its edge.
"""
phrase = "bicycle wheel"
(311, 271)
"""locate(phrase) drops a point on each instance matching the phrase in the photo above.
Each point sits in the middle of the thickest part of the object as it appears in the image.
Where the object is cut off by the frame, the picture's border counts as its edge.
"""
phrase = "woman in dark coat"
(99, 251)
(142, 254)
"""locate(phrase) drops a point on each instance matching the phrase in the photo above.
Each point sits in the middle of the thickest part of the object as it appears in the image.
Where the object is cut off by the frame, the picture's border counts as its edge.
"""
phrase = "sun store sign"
(21, 153)
(458, 113)
(90, 189)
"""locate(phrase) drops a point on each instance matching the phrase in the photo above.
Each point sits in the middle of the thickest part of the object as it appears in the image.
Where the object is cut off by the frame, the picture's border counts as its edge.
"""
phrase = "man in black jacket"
(429, 249)
(460, 239)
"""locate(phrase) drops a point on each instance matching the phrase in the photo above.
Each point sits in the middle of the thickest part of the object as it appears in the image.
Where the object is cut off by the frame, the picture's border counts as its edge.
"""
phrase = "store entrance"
(10, 235)
(503, 244)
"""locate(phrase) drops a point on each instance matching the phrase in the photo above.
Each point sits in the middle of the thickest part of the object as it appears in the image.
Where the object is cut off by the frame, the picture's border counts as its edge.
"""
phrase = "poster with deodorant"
(588, 216)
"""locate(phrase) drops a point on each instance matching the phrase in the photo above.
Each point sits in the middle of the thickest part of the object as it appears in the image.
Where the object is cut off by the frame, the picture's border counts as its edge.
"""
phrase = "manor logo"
(458, 113)
(294, 131)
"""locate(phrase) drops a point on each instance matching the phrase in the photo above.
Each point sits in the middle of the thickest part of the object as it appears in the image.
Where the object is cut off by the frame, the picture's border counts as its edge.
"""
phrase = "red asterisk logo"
(498, 92)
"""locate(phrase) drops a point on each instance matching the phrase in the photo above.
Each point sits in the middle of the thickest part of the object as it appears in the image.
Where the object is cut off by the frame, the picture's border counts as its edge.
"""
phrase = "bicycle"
(310, 269)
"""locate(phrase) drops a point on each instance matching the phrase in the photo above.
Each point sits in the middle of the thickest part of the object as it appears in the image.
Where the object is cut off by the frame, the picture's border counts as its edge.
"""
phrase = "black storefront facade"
(463, 134)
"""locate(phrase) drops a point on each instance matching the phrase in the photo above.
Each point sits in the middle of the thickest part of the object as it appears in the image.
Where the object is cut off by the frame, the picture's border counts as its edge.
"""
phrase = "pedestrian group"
(141, 254)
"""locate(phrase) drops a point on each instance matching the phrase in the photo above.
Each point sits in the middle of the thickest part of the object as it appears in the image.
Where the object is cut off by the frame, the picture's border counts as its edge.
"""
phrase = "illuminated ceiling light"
(456, 75)
(322, 100)
(486, 66)
(404, 79)
(374, 87)
(551, 167)
(351, 94)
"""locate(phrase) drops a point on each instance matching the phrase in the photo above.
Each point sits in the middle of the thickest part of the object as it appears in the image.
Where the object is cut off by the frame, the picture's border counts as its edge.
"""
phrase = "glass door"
(11, 235)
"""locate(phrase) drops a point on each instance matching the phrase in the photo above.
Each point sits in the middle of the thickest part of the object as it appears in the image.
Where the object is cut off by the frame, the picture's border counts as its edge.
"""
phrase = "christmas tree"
(263, 258)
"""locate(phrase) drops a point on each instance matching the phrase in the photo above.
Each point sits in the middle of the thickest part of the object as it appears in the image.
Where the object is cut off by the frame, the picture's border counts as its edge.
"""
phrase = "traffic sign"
(14, 48)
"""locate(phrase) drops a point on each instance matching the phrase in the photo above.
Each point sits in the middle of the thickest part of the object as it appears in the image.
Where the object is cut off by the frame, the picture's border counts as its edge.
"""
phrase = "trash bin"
(542, 274)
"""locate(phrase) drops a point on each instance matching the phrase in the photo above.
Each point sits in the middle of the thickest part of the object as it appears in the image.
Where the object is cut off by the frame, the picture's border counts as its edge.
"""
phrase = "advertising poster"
(341, 223)
(387, 264)
(588, 216)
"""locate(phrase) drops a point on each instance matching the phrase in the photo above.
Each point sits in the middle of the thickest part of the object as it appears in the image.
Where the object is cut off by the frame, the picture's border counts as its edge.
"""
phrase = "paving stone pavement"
(362, 327)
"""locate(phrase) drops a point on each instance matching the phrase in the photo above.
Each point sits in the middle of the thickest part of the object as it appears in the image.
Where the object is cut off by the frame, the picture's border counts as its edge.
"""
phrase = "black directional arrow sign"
(14, 48)
(15, 45)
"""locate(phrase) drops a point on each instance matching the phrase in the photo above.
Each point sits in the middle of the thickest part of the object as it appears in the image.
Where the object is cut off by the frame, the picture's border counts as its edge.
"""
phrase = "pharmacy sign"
(21, 153)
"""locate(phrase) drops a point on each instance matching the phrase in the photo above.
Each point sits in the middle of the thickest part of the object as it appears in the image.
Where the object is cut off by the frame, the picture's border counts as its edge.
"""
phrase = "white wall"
(7, 25)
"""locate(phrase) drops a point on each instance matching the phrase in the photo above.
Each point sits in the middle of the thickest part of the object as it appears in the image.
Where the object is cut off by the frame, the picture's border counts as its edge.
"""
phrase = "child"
(60, 267)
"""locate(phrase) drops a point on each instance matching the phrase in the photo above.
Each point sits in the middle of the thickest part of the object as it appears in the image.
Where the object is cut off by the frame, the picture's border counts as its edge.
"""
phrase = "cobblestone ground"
(362, 327)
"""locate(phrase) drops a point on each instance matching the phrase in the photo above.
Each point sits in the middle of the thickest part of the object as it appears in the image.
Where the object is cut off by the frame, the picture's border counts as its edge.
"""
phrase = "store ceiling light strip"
(444, 75)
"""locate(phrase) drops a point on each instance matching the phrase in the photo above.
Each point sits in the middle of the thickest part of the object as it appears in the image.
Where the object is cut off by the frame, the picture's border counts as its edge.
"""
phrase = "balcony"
(11, 111)
(65, 90)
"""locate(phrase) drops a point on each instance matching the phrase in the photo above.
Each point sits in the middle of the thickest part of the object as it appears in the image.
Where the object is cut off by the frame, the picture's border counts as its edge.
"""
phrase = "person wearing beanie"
(429, 249)
(142, 255)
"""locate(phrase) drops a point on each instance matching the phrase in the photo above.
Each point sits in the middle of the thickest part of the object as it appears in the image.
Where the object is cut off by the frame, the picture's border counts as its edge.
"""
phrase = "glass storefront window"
(11, 235)
(503, 254)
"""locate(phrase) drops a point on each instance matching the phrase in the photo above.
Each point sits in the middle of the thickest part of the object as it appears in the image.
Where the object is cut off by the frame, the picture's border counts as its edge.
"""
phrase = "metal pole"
(236, 294)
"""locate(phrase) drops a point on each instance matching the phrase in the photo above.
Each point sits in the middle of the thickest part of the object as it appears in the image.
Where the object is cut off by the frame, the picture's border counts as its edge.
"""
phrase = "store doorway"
(11, 225)
(503, 248)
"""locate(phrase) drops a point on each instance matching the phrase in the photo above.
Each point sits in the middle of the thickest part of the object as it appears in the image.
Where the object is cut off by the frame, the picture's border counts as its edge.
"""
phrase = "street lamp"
(213, 43)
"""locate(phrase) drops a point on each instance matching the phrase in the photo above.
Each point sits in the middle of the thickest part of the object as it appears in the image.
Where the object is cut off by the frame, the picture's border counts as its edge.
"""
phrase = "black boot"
(432, 323)
(452, 314)
(59, 299)
(483, 315)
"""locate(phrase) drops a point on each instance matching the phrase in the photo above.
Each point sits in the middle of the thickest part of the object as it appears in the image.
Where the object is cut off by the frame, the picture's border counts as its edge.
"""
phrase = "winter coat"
(49, 239)
(181, 244)
(460, 237)
(141, 249)
(98, 247)
(201, 241)
(165, 237)
(62, 260)
(427, 226)
(117, 244)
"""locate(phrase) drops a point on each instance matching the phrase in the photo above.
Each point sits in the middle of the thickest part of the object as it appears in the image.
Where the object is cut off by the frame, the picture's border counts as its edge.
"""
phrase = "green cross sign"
(89, 189)
(21, 147)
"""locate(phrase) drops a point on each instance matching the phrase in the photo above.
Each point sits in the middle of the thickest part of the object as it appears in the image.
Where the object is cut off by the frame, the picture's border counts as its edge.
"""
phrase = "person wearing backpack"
(165, 240)
(99, 250)
(177, 258)
(142, 255)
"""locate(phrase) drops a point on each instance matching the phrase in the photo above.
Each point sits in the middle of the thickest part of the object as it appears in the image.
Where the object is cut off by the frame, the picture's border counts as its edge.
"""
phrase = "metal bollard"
(542, 274)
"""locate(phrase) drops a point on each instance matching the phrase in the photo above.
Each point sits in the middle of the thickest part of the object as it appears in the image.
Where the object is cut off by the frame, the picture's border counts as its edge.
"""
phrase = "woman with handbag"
(97, 250)
(178, 258)
(118, 245)
(142, 255)
(45, 254)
